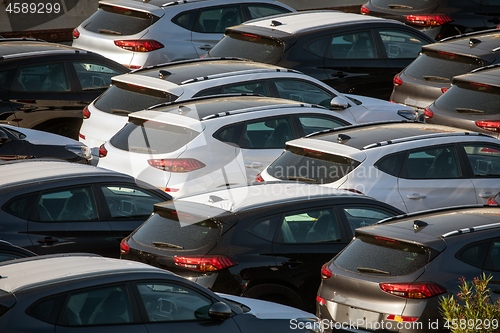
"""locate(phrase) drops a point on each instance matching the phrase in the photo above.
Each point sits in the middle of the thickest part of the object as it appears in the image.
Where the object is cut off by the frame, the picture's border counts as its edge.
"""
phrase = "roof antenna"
(275, 23)
(474, 42)
(164, 74)
(418, 225)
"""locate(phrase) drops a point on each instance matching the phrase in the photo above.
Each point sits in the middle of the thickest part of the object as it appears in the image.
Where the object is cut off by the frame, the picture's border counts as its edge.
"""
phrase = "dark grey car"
(393, 274)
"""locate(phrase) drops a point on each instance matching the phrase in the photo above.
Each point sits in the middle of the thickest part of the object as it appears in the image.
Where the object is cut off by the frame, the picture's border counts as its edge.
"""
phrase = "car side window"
(37, 78)
(216, 20)
(265, 228)
(94, 76)
(74, 204)
(358, 217)
(298, 90)
(129, 202)
(21, 206)
(310, 226)
(475, 254)
(484, 159)
(271, 133)
(433, 163)
(166, 302)
(357, 45)
(401, 44)
(493, 257)
(262, 10)
(311, 124)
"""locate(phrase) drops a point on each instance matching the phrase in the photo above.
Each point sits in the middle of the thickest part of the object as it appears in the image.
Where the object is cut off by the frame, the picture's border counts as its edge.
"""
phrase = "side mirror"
(338, 103)
(3, 137)
(220, 311)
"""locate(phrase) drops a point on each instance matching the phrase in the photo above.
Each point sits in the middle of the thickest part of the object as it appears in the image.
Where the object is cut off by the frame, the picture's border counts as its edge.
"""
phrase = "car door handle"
(253, 165)
(292, 263)
(27, 108)
(415, 196)
(485, 195)
(340, 75)
(47, 240)
(205, 47)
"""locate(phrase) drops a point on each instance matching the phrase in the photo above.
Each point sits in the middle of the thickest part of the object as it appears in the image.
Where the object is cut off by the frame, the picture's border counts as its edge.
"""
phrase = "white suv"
(183, 80)
(143, 33)
(206, 143)
(412, 166)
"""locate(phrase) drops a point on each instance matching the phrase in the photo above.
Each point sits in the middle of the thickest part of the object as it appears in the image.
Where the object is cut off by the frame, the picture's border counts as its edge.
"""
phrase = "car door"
(433, 177)
(490, 9)
(484, 161)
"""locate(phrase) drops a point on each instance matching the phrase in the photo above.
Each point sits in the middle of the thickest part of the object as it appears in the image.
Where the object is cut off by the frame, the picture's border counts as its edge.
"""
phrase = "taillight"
(430, 20)
(397, 80)
(259, 178)
(416, 290)
(320, 300)
(176, 164)
(443, 90)
(86, 113)
(204, 264)
(326, 273)
(103, 152)
(489, 125)
(146, 45)
(124, 247)
(365, 10)
(428, 113)
(76, 33)
(492, 201)
(400, 319)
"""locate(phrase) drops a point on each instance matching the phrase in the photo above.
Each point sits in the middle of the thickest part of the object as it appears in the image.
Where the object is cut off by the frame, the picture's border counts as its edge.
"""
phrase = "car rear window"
(121, 99)
(409, 5)
(310, 166)
(441, 66)
(249, 46)
(114, 20)
(380, 255)
(151, 137)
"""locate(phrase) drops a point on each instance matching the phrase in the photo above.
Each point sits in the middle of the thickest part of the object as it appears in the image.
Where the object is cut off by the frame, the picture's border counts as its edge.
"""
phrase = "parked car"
(470, 103)
(139, 34)
(180, 81)
(81, 292)
(10, 251)
(55, 206)
(352, 53)
(205, 143)
(45, 86)
(266, 241)
(22, 143)
(412, 166)
(393, 274)
(438, 19)
(430, 75)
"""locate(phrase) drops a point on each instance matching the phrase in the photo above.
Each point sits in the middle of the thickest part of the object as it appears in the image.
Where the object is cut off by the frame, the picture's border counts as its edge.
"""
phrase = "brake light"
(480, 86)
(320, 300)
(247, 35)
(86, 113)
(443, 90)
(176, 164)
(400, 319)
(428, 113)
(386, 239)
(489, 125)
(447, 55)
(416, 290)
(205, 264)
(431, 20)
(171, 189)
(492, 201)
(259, 178)
(365, 10)
(76, 33)
(124, 247)
(146, 45)
(103, 152)
(397, 80)
(326, 272)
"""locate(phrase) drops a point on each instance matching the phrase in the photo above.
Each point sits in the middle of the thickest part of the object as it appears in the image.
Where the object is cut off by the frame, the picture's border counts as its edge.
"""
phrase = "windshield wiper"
(371, 270)
(169, 245)
(436, 78)
(468, 110)
(302, 179)
(119, 111)
(109, 32)
(400, 7)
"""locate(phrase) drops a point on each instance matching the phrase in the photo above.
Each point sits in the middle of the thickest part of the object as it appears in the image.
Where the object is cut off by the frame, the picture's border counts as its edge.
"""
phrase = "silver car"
(137, 34)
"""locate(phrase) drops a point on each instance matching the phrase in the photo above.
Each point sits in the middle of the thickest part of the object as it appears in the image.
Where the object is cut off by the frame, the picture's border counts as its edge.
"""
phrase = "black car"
(22, 143)
(9, 251)
(45, 86)
(56, 206)
(439, 18)
(264, 241)
(353, 53)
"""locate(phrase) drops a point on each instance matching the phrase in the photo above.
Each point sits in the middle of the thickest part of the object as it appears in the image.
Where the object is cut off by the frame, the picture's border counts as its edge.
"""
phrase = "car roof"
(489, 75)
(30, 47)
(479, 44)
(37, 271)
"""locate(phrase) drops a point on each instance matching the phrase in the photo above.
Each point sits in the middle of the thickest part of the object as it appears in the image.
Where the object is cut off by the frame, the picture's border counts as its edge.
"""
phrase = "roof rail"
(370, 124)
(485, 67)
(472, 229)
(39, 53)
(187, 61)
(21, 39)
(199, 98)
(242, 72)
(474, 33)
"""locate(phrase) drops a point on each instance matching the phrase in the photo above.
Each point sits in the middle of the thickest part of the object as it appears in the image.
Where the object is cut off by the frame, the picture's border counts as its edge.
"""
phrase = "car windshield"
(114, 20)
(249, 46)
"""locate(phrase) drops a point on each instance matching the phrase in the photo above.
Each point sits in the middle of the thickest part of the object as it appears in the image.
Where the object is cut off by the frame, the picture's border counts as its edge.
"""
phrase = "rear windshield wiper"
(302, 179)
(468, 110)
(109, 32)
(119, 111)
(436, 78)
(400, 7)
(372, 270)
(169, 245)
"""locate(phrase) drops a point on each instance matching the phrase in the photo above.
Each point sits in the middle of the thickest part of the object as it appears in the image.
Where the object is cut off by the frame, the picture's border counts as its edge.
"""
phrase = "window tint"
(187, 20)
(311, 226)
(388, 256)
(47, 309)
(475, 254)
(493, 257)
(357, 45)
(391, 164)
(129, 202)
(484, 159)
(318, 46)
(94, 76)
(311, 124)
(254, 87)
(362, 216)
(401, 44)
(216, 20)
(166, 302)
(261, 10)
(114, 20)
(21, 206)
(433, 163)
(232, 134)
(269, 133)
(303, 91)
(6, 79)
(38, 78)
(265, 228)
(151, 137)
(75, 204)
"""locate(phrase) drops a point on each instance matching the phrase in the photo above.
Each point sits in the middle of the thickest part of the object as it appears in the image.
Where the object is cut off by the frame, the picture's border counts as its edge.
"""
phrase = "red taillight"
(430, 20)
(124, 247)
(365, 10)
(492, 201)
(252, 36)
(489, 125)
(416, 290)
(400, 319)
(259, 178)
(146, 45)
(176, 164)
(320, 300)
(86, 113)
(480, 86)
(428, 113)
(397, 80)
(447, 55)
(443, 90)
(326, 273)
(204, 264)
(76, 33)
(103, 152)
